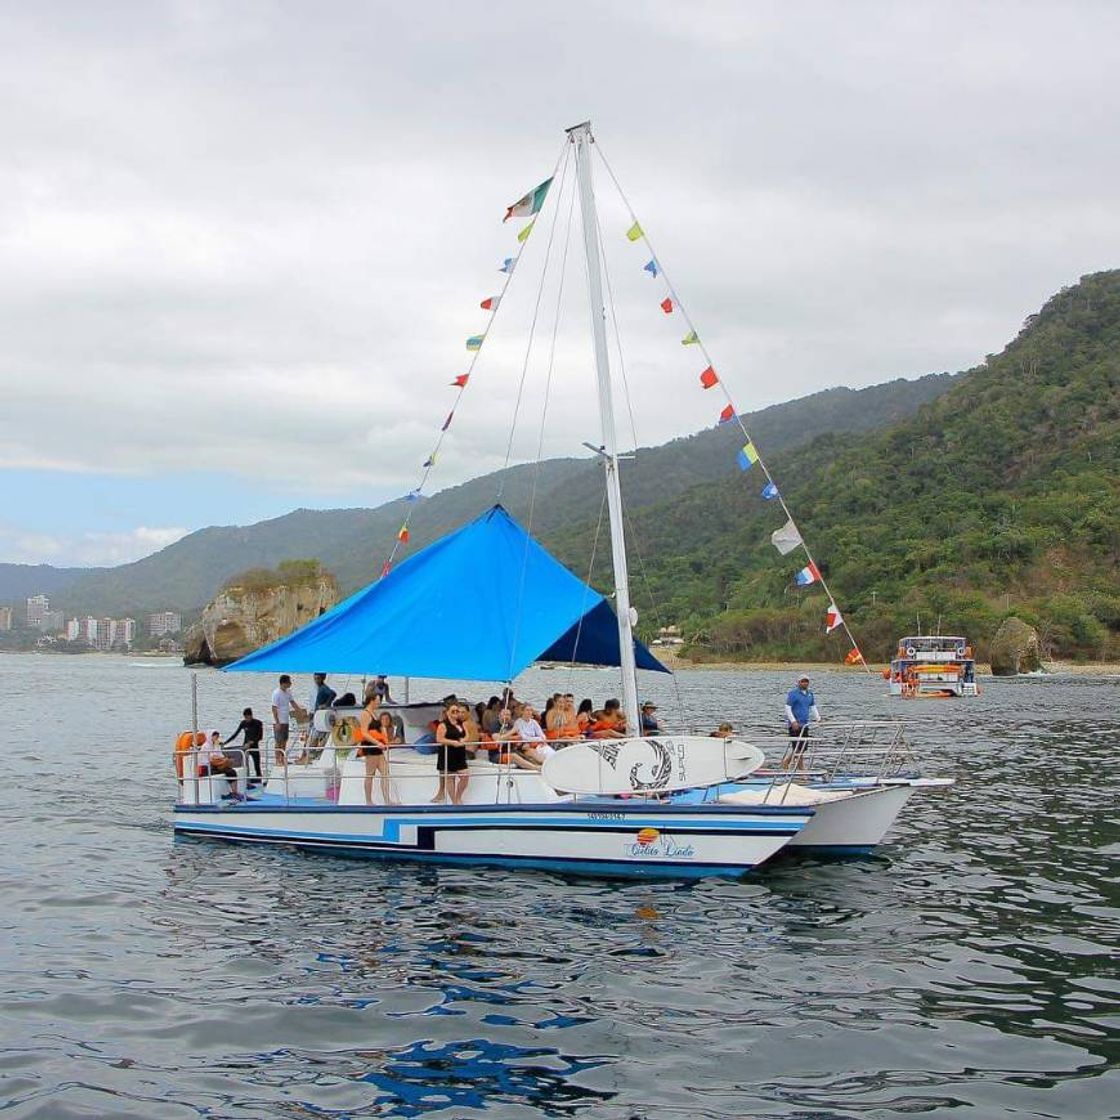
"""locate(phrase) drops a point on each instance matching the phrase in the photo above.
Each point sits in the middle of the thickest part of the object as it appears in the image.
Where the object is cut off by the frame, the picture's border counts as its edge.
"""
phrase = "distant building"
(164, 622)
(126, 631)
(37, 606)
(106, 633)
(73, 629)
(51, 622)
(87, 630)
(5, 618)
(669, 636)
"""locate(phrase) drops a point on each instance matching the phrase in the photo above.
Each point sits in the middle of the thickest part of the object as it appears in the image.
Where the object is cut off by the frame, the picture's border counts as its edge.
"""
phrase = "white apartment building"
(73, 629)
(5, 618)
(164, 622)
(37, 606)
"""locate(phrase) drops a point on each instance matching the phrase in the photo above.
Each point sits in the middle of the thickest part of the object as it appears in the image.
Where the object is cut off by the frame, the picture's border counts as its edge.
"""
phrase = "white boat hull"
(619, 838)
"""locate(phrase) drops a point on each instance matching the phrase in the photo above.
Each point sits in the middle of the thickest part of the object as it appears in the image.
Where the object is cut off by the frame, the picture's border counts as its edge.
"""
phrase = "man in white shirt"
(282, 707)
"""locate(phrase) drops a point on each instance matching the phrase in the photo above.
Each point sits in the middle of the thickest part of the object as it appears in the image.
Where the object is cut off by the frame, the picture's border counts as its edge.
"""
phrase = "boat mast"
(581, 136)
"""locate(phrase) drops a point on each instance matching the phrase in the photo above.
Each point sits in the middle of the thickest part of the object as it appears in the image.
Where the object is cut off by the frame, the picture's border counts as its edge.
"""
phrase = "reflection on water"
(970, 964)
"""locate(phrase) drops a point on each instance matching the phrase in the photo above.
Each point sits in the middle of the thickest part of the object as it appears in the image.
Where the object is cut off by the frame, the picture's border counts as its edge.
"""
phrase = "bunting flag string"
(788, 537)
(832, 619)
(528, 206)
(854, 657)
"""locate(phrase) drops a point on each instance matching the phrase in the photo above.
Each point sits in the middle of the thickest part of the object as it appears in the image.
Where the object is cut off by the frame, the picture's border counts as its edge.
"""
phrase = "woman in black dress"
(451, 755)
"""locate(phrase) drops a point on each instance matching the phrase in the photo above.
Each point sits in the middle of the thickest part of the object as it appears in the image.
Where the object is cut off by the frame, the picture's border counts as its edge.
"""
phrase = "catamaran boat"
(682, 806)
(933, 666)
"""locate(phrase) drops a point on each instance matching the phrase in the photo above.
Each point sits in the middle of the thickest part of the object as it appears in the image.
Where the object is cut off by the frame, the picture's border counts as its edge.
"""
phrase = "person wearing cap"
(650, 726)
(801, 709)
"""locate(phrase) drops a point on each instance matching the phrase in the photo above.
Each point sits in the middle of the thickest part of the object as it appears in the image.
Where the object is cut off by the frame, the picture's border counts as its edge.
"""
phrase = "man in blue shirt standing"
(801, 709)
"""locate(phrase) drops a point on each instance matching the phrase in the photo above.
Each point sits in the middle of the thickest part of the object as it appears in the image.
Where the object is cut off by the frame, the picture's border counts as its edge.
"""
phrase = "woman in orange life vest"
(372, 745)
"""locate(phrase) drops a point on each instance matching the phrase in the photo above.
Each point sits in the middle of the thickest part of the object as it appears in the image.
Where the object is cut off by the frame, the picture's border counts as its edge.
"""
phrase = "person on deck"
(253, 730)
(372, 748)
(322, 696)
(283, 704)
(801, 709)
(451, 755)
(211, 761)
(650, 726)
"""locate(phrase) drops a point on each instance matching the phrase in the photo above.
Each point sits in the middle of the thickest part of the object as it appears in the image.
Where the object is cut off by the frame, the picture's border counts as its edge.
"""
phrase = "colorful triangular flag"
(853, 657)
(747, 457)
(786, 539)
(461, 381)
(385, 569)
(832, 618)
(507, 264)
(412, 496)
(430, 461)
(690, 339)
(523, 236)
(708, 378)
(529, 204)
(402, 536)
(651, 266)
(490, 303)
(727, 415)
(475, 341)
(667, 305)
(769, 491)
(634, 232)
(807, 575)
(447, 422)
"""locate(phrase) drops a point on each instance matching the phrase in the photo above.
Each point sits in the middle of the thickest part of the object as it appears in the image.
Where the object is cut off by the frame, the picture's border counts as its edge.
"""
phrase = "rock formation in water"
(1015, 649)
(259, 607)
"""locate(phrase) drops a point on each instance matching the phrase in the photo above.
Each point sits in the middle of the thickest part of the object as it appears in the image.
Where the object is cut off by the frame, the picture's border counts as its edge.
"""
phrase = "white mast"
(627, 616)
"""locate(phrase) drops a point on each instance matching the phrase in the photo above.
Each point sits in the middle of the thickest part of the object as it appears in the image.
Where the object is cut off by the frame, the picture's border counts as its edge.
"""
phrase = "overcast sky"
(242, 244)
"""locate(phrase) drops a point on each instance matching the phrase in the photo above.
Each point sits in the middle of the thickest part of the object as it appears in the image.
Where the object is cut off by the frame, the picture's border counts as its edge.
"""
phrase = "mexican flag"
(529, 204)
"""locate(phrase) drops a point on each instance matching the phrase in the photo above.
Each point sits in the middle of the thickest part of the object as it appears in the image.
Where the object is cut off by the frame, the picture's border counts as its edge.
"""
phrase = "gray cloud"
(255, 235)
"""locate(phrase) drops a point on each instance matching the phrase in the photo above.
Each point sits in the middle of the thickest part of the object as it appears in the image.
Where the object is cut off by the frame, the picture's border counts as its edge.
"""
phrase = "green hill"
(352, 543)
(1001, 496)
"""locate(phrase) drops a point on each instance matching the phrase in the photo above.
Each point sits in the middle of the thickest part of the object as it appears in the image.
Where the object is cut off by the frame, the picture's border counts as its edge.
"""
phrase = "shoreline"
(1050, 669)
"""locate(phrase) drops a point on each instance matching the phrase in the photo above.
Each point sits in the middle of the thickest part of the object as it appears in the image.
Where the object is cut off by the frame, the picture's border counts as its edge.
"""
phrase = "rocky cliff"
(248, 614)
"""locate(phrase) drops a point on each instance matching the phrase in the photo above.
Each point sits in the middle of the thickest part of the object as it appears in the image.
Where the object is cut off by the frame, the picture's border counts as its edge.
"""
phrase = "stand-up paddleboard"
(653, 765)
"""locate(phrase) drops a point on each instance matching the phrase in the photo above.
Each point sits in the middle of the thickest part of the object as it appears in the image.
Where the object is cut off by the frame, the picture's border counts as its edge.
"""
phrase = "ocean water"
(970, 967)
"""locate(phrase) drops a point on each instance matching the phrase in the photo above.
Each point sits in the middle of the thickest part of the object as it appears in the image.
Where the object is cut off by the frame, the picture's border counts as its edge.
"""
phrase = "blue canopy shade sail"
(480, 605)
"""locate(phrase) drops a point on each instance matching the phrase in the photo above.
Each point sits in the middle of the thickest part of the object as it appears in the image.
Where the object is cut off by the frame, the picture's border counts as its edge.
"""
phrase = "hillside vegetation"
(1001, 496)
(353, 543)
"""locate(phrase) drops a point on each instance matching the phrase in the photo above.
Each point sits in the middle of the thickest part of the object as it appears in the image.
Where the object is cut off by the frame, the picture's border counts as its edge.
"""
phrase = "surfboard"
(659, 764)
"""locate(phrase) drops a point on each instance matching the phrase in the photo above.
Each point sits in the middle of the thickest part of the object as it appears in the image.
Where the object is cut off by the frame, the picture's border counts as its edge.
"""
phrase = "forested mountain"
(1002, 496)
(352, 543)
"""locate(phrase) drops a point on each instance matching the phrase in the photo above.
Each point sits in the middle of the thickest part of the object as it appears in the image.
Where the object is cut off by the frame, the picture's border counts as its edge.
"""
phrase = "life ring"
(910, 651)
(343, 732)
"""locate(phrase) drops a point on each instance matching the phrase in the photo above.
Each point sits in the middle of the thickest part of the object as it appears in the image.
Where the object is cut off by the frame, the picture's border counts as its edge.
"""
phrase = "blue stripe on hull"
(617, 868)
